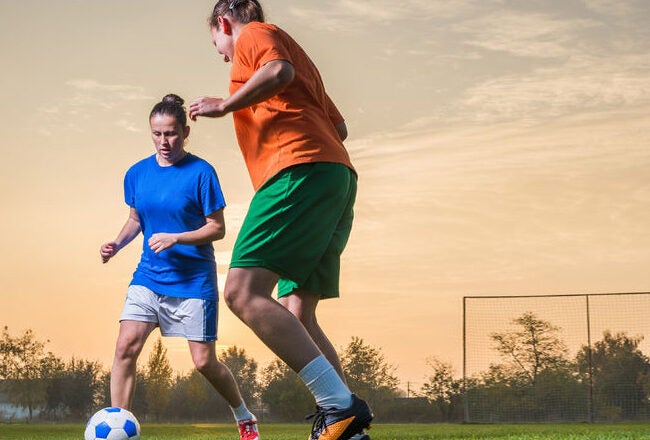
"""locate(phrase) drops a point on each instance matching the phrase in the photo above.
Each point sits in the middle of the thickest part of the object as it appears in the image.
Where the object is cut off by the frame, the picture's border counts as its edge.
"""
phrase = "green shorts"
(297, 226)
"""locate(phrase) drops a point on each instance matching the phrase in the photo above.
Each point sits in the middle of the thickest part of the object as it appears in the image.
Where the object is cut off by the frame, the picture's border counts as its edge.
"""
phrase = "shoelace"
(319, 419)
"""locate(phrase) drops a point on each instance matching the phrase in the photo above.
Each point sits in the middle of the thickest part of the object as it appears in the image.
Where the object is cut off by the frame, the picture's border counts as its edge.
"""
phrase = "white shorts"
(191, 318)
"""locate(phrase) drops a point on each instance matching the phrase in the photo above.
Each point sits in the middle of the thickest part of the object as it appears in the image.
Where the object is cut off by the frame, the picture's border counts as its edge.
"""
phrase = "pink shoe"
(248, 429)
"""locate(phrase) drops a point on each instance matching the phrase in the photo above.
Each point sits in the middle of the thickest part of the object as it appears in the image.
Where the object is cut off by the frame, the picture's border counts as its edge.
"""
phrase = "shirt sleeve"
(210, 192)
(129, 188)
(260, 45)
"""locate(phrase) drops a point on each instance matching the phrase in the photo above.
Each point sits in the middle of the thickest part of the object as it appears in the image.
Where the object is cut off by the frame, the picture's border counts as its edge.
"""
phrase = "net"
(556, 357)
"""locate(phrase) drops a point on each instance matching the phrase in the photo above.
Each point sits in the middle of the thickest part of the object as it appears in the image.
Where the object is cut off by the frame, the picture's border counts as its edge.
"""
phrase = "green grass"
(568, 431)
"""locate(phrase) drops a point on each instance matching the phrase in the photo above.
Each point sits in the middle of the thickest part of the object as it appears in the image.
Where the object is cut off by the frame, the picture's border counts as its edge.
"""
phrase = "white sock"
(242, 413)
(328, 388)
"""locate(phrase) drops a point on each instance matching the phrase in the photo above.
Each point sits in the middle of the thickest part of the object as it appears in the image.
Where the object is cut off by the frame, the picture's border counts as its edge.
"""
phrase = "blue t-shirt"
(175, 198)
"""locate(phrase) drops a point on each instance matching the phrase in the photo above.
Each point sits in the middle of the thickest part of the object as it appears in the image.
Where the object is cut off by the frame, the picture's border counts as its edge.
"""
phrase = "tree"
(284, 393)
(158, 377)
(532, 349)
(367, 373)
(442, 389)
(620, 373)
(536, 381)
(244, 369)
(24, 367)
(194, 398)
(75, 389)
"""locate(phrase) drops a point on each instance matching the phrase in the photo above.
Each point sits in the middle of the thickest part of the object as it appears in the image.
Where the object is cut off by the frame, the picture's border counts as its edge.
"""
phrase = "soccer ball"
(112, 424)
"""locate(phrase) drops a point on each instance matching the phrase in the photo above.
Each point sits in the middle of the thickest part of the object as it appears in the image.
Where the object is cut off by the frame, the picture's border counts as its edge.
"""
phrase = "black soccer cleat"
(341, 424)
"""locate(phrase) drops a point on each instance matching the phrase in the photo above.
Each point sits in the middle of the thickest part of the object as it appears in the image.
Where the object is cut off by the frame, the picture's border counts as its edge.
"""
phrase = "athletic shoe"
(248, 429)
(341, 424)
(360, 436)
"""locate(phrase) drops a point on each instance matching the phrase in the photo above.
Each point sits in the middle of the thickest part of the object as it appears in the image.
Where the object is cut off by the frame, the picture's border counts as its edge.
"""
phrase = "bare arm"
(214, 229)
(265, 83)
(129, 231)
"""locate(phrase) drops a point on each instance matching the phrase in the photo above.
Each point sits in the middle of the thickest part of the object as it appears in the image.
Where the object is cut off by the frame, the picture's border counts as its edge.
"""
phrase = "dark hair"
(244, 11)
(171, 105)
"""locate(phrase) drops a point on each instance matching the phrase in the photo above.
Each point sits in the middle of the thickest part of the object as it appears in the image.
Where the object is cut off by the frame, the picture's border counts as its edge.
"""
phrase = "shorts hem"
(190, 338)
(323, 295)
(264, 265)
(138, 319)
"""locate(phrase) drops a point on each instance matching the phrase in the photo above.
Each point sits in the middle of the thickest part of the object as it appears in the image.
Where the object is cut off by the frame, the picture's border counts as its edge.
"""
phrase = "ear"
(225, 24)
(186, 132)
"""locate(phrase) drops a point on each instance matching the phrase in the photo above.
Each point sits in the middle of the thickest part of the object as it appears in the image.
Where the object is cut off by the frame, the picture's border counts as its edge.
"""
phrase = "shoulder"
(199, 164)
(255, 28)
(259, 43)
(141, 165)
(256, 34)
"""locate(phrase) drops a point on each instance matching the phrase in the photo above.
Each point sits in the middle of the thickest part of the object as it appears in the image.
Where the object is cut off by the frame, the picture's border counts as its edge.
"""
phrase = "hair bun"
(173, 99)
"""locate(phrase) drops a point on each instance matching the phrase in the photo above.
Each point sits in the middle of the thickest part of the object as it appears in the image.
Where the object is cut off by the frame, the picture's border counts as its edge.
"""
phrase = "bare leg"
(248, 294)
(302, 305)
(205, 360)
(131, 339)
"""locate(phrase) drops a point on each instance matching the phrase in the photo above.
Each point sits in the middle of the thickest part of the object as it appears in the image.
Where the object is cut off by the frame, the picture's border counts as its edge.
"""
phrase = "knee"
(303, 310)
(127, 350)
(306, 317)
(230, 297)
(202, 365)
(236, 299)
(203, 362)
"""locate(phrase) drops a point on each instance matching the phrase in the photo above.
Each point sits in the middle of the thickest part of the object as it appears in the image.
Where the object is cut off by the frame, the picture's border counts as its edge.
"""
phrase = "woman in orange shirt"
(291, 136)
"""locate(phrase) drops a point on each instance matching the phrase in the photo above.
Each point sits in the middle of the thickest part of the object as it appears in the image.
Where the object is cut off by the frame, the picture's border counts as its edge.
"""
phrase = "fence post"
(465, 399)
(590, 397)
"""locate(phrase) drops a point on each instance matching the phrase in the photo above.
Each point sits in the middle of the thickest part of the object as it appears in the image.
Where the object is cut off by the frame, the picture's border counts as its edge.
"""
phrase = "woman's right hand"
(108, 250)
(206, 106)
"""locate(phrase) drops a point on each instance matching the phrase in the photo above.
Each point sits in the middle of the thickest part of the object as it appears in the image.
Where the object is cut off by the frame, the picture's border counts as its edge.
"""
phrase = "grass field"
(627, 431)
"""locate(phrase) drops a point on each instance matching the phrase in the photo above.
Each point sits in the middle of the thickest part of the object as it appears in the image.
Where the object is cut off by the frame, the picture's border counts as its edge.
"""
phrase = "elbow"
(284, 73)
(219, 233)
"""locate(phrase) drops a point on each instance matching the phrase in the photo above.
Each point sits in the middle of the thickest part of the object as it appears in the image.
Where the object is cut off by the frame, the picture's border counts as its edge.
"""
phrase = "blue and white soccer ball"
(112, 424)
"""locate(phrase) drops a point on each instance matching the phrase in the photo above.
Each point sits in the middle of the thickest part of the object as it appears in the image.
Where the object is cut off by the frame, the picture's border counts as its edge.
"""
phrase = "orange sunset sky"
(503, 147)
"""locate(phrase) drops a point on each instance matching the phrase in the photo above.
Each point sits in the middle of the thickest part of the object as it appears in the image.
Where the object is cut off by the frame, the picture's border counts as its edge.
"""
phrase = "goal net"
(556, 357)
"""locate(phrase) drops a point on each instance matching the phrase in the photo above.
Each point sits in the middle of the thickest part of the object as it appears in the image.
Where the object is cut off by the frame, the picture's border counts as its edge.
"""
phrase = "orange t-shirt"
(295, 126)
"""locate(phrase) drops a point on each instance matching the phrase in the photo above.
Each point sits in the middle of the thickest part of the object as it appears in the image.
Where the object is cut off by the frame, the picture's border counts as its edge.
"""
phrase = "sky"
(502, 149)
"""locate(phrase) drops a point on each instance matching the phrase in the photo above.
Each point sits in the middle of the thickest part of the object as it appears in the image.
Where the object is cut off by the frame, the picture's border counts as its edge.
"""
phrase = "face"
(168, 138)
(223, 40)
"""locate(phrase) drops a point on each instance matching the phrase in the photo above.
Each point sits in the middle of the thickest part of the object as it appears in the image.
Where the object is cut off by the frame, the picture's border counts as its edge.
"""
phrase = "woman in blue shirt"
(176, 202)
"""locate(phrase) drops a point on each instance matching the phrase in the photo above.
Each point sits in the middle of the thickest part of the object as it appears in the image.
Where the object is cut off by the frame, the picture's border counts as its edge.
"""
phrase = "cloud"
(87, 97)
(582, 84)
(504, 202)
(533, 35)
(128, 125)
(350, 15)
(615, 8)
(92, 92)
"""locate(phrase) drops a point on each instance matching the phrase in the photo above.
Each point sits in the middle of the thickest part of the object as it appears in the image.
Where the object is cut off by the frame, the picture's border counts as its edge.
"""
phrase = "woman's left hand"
(161, 241)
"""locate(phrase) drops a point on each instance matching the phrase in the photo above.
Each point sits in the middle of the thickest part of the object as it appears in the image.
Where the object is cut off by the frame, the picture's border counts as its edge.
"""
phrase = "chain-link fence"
(556, 357)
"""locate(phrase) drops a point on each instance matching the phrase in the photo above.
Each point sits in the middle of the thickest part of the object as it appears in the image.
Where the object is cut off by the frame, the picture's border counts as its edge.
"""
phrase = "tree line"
(49, 388)
(534, 379)
(537, 380)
